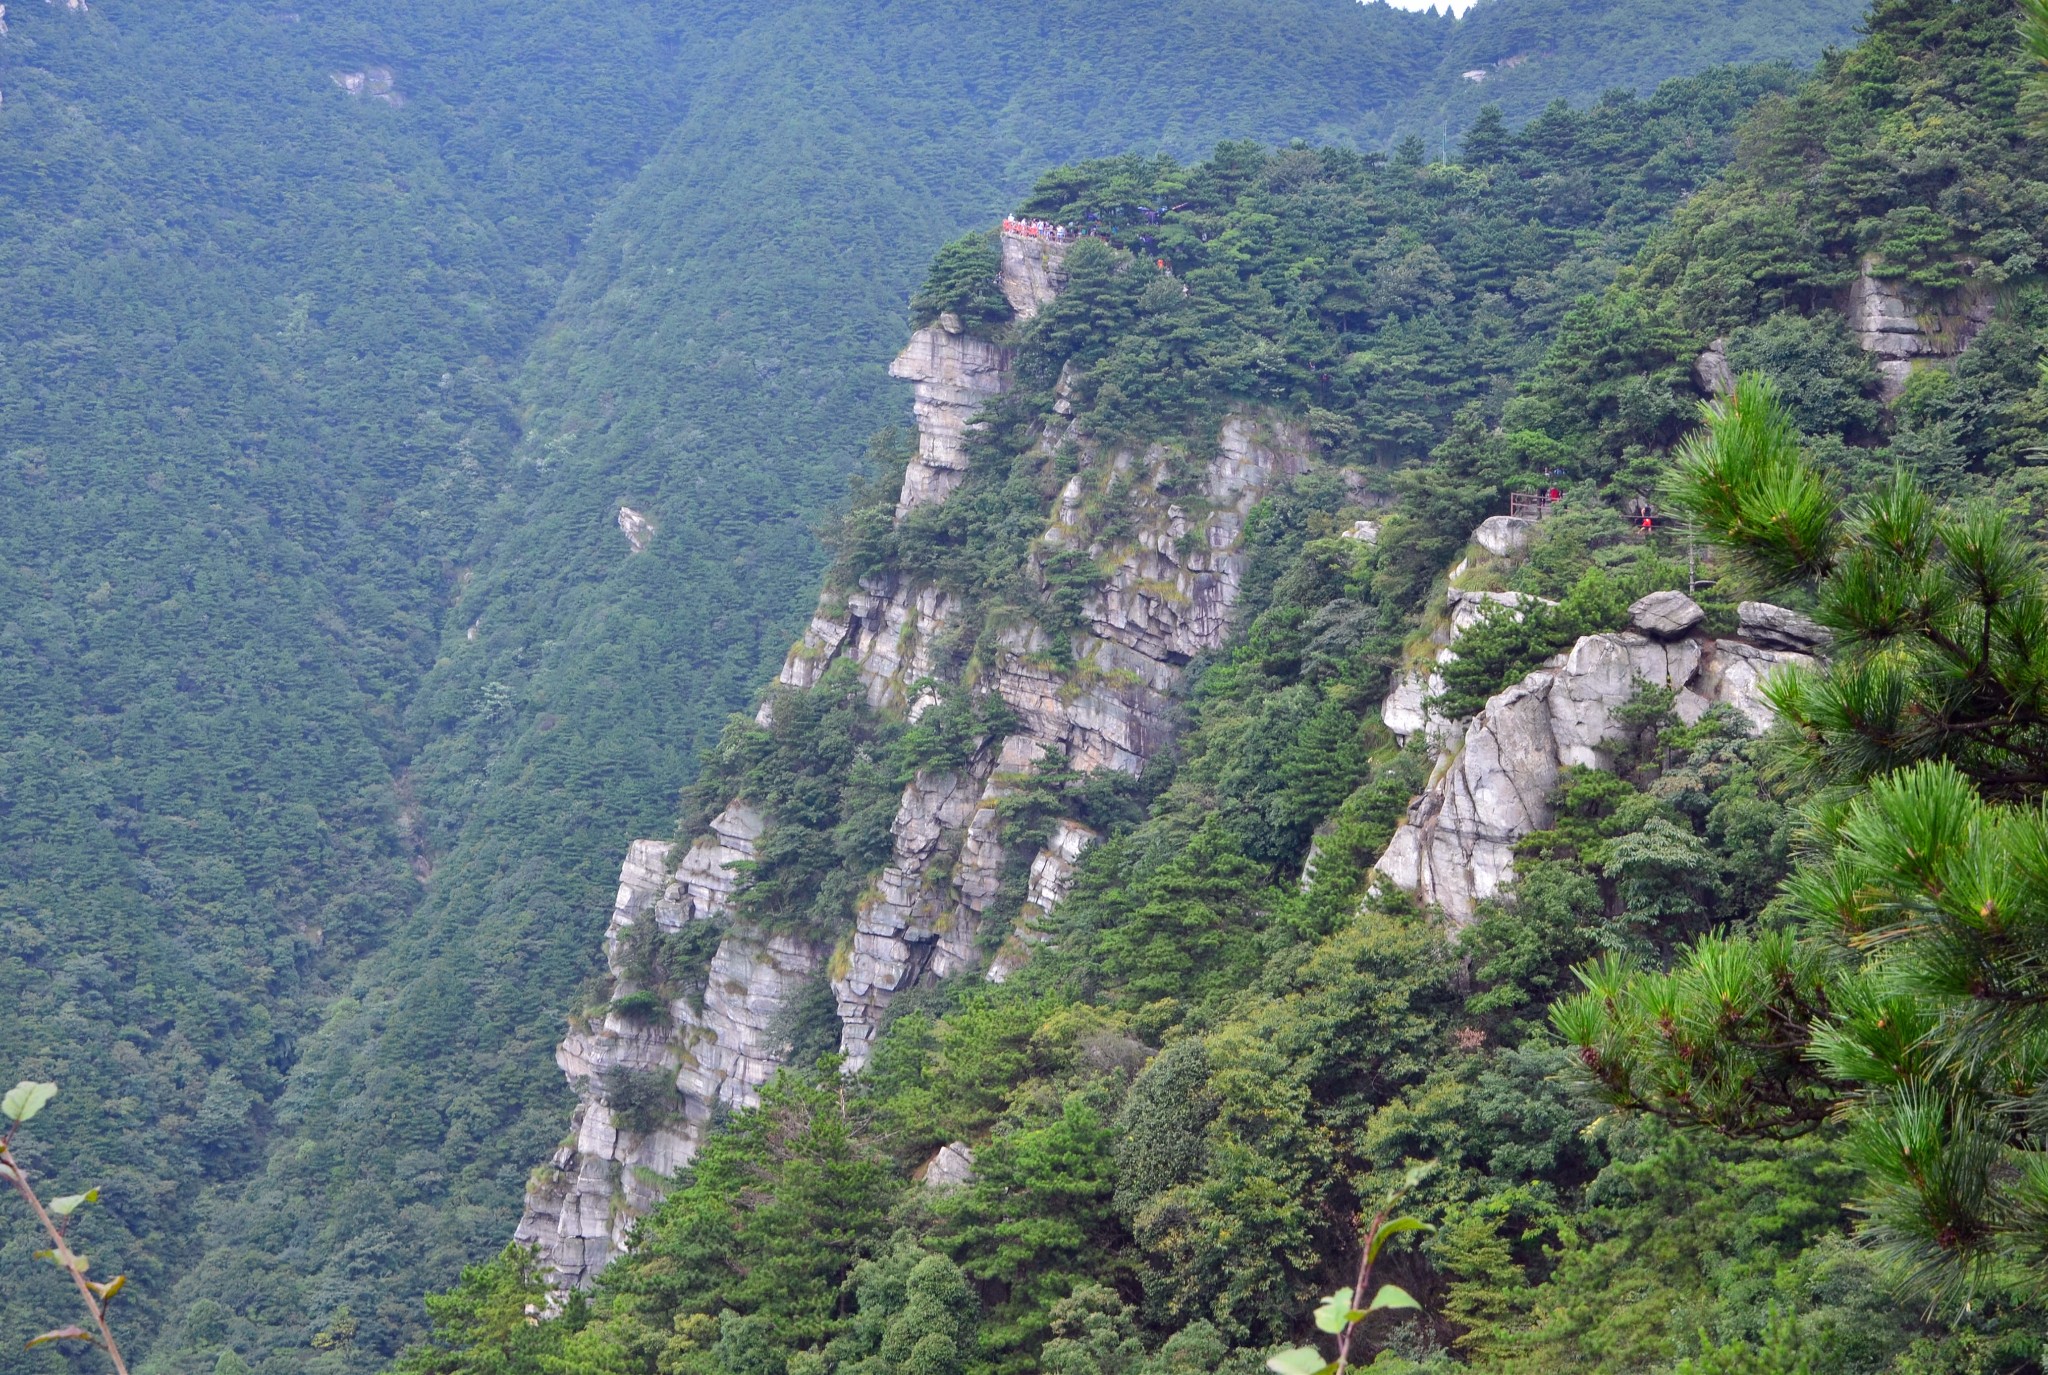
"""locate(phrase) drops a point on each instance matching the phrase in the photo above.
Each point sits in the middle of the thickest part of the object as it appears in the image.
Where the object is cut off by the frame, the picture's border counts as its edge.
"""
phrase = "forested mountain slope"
(1147, 1147)
(317, 362)
(260, 337)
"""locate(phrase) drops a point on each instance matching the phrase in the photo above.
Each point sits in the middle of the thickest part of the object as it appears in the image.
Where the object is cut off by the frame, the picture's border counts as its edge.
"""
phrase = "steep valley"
(418, 427)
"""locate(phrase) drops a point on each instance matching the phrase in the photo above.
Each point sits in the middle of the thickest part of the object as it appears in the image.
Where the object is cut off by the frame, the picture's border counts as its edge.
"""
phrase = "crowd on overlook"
(1042, 229)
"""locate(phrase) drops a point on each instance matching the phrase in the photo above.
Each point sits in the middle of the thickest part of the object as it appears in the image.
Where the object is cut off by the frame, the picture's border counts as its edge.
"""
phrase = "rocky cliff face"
(616, 1164)
(1171, 576)
(1167, 595)
(1902, 325)
(1494, 773)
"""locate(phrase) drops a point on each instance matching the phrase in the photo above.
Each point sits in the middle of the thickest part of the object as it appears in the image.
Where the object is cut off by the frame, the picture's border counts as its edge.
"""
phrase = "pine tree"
(1908, 993)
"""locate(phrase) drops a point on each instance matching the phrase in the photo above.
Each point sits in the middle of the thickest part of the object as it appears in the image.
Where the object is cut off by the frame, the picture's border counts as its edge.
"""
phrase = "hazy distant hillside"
(335, 339)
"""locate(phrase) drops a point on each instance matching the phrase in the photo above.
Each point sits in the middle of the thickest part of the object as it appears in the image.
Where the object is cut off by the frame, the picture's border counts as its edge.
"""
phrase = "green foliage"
(1895, 999)
(768, 1223)
(1937, 611)
(1376, 298)
(963, 282)
(1036, 1221)
(333, 691)
(485, 1324)
(824, 776)
(1744, 481)
(1829, 383)
(914, 1314)
(54, 1219)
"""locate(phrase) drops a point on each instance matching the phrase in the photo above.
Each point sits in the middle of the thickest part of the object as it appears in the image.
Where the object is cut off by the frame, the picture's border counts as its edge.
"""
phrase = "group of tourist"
(1042, 229)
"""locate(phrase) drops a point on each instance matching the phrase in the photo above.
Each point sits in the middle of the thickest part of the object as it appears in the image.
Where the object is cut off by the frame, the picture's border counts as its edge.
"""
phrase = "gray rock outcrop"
(1168, 594)
(581, 1205)
(954, 375)
(1665, 615)
(1504, 536)
(1407, 708)
(950, 1167)
(1034, 272)
(1778, 627)
(1715, 376)
(1494, 774)
(636, 527)
(1900, 324)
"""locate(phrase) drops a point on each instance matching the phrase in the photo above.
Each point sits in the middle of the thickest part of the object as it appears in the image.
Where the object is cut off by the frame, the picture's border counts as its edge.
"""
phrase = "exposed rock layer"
(1901, 324)
(1171, 576)
(1492, 781)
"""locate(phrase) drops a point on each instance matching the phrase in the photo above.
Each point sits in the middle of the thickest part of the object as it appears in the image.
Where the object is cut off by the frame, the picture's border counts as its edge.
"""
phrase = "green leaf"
(7, 1175)
(1393, 1296)
(60, 1334)
(26, 1099)
(110, 1288)
(67, 1205)
(1334, 1312)
(1302, 1360)
(1394, 1228)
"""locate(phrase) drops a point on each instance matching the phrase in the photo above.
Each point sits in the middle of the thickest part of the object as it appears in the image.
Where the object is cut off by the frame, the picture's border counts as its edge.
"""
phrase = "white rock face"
(1052, 875)
(371, 83)
(1665, 615)
(1034, 272)
(1734, 673)
(956, 375)
(582, 1204)
(1899, 323)
(1600, 673)
(1456, 847)
(1406, 709)
(636, 527)
(1504, 536)
(1168, 595)
(950, 1167)
(1716, 377)
(1404, 712)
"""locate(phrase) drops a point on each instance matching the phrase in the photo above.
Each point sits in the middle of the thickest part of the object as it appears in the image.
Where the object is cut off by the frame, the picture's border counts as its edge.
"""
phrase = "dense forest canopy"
(1181, 1105)
(336, 340)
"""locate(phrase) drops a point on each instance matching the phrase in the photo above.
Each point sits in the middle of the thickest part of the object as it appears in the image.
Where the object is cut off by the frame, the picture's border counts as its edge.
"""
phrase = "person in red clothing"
(1555, 495)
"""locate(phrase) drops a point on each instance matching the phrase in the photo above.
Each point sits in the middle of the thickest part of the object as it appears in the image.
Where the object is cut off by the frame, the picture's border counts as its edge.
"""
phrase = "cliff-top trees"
(1908, 990)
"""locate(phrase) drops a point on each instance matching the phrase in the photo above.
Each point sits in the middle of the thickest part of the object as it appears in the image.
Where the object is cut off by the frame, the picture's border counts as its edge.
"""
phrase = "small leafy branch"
(22, 1102)
(1342, 1312)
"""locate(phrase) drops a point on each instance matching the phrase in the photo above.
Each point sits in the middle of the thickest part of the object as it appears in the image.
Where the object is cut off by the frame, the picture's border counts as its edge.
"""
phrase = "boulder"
(1778, 627)
(1470, 608)
(1493, 774)
(1598, 677)
(1716, 377)
(951, 1167)
(1504, 536)
(1665, 615)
